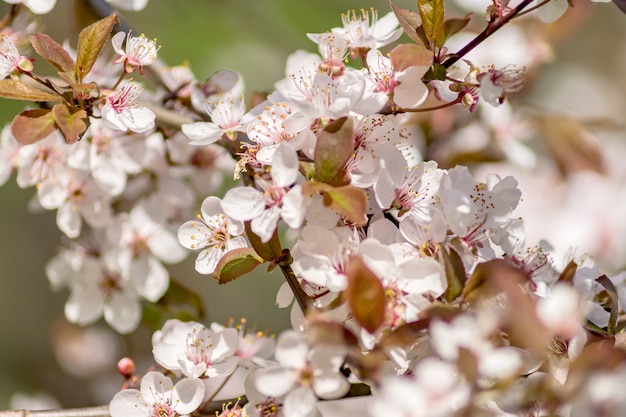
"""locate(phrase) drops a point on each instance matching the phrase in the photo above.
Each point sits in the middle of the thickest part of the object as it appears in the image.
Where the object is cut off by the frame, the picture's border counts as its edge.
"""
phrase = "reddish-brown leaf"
(54, 53)
(365, 295)
(31, 126)
(71, 122)
(91, 40)
(18, 90)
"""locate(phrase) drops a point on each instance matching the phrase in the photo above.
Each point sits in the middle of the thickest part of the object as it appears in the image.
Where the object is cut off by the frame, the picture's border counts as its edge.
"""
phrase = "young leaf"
(236, 263)
(455, 273)
(365, 295)
(269, 251)
(568, 273)
(613, 301)
(349, 201)
(31, 126)
(408, 55)
(334, 148)
(54, 53)
(432, 14)
(409, 22)
(17, 90)
(91, 40)
(455, 25)
(72, 124)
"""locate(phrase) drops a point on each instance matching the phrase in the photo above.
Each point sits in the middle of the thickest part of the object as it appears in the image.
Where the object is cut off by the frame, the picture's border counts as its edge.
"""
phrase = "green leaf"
(70, 121)
(436, 72)
(455, 273)
(91, 40)
(409, 22)
(365, 295)
(349, 201)
(408, 55)
(269, 251)
(432, 13)
(54, 53)
(18, 90)
(335, 146)
(236, 263)
(31, 126)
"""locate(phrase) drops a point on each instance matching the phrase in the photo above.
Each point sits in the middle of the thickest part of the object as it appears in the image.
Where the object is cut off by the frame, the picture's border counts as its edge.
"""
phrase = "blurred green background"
(253, 37)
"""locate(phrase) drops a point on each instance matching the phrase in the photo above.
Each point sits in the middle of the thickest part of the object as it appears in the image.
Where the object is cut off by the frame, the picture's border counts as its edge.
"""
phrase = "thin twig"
(491, 28)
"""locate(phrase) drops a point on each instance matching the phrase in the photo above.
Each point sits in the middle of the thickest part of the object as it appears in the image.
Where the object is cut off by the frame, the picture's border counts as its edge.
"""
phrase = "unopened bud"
(126, 367)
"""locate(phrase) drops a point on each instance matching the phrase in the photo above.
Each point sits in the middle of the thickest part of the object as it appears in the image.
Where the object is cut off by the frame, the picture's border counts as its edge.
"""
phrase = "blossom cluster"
(415, 289)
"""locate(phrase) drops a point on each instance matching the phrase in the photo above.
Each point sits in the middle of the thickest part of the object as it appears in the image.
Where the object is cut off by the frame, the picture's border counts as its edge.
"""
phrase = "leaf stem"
(301, 298)
(425, 109)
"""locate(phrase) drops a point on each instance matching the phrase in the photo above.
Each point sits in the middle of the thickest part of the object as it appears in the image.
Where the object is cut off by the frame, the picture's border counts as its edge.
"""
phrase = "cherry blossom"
(277, 200)
(214, 231)
(12, 62)
(121, 113)
(363, 31)
(139, 51)
(228, 116)
(194, 350)
(158, 396)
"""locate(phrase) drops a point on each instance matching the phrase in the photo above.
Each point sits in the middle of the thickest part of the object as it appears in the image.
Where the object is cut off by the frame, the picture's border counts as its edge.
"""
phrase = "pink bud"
(126, 367)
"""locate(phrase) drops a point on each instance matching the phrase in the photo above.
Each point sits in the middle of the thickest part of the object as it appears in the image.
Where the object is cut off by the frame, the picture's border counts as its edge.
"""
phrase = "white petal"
(68, 220)
(285, 165)
(165, 246)
(291, 350)
(207, 260)
(265, 223)
(411, 92)
(191, 234)
(243, 203)
(190, 392)
(276, 381)
(300, 402)
(202, 133)
(292, 211)
(123, 312)
(128, 403)
(155, 385)
(330, 386)
(84, 306)
(117, 41)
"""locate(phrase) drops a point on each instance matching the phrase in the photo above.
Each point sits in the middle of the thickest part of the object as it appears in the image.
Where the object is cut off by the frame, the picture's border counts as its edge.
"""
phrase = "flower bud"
(126, 367)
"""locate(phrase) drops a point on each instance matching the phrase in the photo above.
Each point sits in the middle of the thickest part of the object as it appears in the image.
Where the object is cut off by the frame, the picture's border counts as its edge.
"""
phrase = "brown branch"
(491, 28)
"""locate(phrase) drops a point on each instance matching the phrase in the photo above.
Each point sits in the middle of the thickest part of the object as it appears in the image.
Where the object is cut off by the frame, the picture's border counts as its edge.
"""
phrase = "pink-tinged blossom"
(366, 31)
(279, 199)
(214, 233)
(321, 256)
(303, 374)
(334, 51)
(144, 243)
(108, 156)
(496, 84)
(11, 61)
(9, 154)
(97, 288)
(405, 88)
(228, 116)
(194, 350)
(121, 113)
(82, 199)
(35, 6)
(375, 137)
(436, 389)
(139, 51)
(272, 127)
(158, 397)
(474, 333)
(405, 190)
